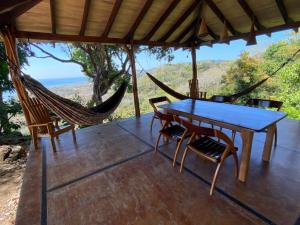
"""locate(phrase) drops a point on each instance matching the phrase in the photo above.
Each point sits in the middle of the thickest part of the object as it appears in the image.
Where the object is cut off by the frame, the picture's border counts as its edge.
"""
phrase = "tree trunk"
(97, 93)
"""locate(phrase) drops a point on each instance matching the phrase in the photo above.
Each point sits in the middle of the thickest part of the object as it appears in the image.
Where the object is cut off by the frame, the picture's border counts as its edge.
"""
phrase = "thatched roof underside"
(149, 22)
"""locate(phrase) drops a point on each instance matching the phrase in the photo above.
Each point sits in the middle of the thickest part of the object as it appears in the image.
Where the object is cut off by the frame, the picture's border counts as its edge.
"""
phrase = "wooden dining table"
(243, 119)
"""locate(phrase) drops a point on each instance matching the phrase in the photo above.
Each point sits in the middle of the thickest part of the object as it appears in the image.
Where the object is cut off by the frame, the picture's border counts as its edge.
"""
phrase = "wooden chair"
(171, 131)
(266, 104)
(223, 99)
(154, 102)
(42, 123)
(203, 144)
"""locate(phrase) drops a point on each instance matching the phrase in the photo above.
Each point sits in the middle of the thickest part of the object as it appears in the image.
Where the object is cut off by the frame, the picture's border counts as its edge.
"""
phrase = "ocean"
(54, 83)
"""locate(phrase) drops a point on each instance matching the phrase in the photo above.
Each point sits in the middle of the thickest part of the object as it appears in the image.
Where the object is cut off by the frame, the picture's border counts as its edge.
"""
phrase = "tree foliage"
(284, 85)
(9, 107)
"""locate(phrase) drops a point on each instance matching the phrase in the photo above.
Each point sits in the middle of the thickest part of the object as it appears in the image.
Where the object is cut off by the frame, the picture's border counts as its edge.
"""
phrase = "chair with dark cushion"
(157, 101)
(203, 143)
(266, 104)
(171, 131)
(223, 99)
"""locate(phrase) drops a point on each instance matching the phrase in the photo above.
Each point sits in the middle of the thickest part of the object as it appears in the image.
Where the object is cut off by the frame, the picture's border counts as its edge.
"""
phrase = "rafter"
(221, 16)
(168, 11)
(250, 14)
(7, 5)
(283, 11)
(10, 15)
(112, 18)
(293, 25)
(186, 31)
(52, 13)
(180, 21)
(85, 16)
(198, 20)
(139, 19)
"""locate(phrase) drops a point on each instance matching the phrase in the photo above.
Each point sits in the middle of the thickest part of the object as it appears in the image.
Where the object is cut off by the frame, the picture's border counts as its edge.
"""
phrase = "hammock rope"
(235, 96)
(70, 111)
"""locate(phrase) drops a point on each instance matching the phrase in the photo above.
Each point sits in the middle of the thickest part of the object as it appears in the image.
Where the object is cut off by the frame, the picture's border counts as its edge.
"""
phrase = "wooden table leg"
(269, 142)
(247, 137)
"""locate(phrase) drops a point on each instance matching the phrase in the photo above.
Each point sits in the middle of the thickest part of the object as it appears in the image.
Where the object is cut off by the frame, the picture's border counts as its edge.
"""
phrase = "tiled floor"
(112, 176)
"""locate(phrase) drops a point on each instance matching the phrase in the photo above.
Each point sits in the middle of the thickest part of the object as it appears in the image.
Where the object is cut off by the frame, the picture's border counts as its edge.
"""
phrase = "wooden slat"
(283, 11)
(250, 14)
(9, 16)
(220, 15)
(168, 11)
(180, 21)
(53, 17)
(185, 31)
(85, 16)
(198, 20)
(112, 18)
(139, 19)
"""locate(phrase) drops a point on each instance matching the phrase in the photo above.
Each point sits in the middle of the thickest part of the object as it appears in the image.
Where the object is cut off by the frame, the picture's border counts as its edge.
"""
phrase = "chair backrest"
(38, 112)
(222, 98)
(154, 101)
(206, 131)
(264, 103)
(164, 117)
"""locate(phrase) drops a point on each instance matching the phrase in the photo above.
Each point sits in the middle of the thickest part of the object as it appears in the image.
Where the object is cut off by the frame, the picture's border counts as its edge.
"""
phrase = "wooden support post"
(194, 82)
(134, 82)
(14, 69)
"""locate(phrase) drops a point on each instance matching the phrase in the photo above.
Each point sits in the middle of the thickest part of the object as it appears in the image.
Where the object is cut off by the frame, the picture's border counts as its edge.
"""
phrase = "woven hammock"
(71, 111)
(229, 98)
(179, 96)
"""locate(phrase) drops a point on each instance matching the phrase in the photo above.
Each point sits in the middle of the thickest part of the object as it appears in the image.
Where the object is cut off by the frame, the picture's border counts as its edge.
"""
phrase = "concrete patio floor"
(112, 176)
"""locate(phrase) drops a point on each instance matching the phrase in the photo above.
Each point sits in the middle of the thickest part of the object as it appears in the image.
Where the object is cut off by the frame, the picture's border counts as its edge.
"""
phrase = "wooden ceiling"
(147, 22)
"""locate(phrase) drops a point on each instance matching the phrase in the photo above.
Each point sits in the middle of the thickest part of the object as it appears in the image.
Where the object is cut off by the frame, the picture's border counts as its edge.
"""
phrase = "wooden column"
(194, 81)
(134, 82)
(14, 66)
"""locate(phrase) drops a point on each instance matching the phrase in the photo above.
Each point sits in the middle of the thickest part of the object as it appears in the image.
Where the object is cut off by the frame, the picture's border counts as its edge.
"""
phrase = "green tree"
(104, 64)
(287, 80)
(242, 73)
(9, 107)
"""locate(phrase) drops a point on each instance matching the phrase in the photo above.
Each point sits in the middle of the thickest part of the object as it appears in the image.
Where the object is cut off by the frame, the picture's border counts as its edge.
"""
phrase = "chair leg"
(212, 187)
(34, 137)
(53, 143)
(233, 134)
(74, 135)
(275, 137)
(177, 151)
(236, 162)
(52, 135)
(152, 121)
(157, 142)
(183, 159)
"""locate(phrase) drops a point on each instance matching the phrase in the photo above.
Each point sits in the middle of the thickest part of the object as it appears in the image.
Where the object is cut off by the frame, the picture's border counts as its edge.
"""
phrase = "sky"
(52, 69)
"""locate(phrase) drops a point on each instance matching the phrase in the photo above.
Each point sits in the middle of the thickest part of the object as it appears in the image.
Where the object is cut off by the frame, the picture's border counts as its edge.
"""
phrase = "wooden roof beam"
(84, 16)
(10, 15)
(293, 25)
(7, 5)
(52, 14)
(139, 19)
(180, 21)
(89, 39)
(161, 20)
(283, 11)
(220, 15)
(112, 18)
(251, 14)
